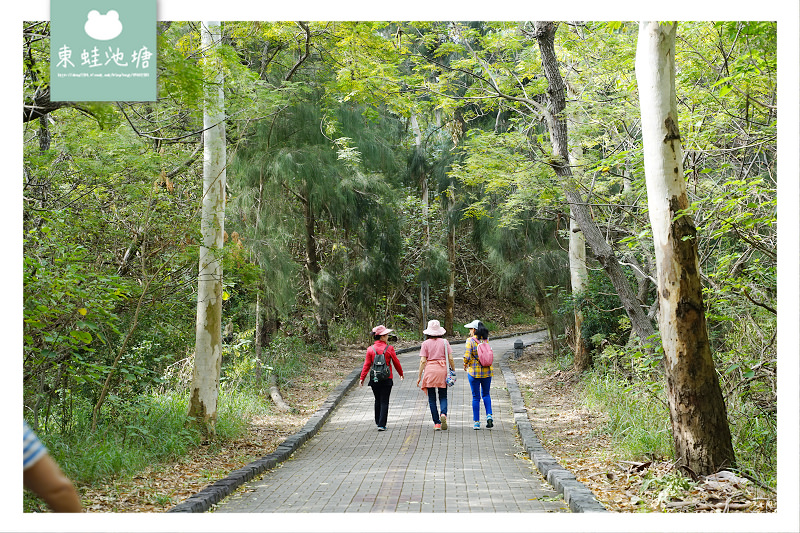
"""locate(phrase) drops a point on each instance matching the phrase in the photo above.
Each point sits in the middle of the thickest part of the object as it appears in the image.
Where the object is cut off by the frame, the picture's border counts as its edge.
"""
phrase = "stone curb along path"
(577, 496)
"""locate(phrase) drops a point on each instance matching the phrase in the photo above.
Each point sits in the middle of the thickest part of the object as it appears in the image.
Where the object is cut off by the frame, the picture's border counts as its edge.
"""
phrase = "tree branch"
(765, 306)
(41, 105)
(304, 56)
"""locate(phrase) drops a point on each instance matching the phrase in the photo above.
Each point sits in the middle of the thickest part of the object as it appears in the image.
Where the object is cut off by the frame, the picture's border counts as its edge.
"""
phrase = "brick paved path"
(349, 466)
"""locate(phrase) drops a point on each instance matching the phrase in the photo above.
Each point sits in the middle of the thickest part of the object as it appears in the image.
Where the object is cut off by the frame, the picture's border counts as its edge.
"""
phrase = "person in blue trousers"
(435, 358)
(480, 377)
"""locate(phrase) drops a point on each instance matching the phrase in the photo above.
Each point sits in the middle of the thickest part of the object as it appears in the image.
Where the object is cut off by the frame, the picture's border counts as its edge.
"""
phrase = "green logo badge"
(102, 50)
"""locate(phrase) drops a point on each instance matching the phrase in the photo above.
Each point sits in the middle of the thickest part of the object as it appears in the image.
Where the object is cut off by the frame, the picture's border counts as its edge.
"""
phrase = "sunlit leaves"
(499, 170)
(180, 76)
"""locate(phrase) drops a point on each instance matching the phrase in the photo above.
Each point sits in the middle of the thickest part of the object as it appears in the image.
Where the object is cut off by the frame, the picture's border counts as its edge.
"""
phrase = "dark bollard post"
(518, 346)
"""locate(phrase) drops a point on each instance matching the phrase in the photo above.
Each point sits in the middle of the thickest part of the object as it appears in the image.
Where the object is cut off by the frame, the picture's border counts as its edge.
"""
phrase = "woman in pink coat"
(435, 357)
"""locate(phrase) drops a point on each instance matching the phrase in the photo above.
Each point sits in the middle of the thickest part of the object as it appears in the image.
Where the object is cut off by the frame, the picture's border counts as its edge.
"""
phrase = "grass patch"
(523, 318)
(235, 410)
(754, 435)
(133, 434)
(638, 420)
(639, 424)
(148, 430)
(152, 428)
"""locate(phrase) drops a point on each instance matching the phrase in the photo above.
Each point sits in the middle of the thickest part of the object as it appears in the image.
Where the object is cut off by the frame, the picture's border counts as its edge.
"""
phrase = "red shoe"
(437, 427)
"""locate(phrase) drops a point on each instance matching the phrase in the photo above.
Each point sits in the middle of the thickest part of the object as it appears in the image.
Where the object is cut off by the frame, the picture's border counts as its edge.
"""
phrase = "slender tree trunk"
(549, 320)
(449, 311)
(578, 277)
(697, 409)
(313, 269)
(641, 325)
(577, 263)
(449, 208)
(120, 352)
(257, 339)
(423, 182)
(208, 343)
(44, 133)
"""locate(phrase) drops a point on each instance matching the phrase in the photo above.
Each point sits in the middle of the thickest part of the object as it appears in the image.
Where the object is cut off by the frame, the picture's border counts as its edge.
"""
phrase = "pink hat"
(434, 329)
(381, 330)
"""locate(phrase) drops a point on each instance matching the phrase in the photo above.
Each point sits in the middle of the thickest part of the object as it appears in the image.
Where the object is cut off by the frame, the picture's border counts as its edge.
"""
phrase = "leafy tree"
(530, 260)
(323, 184)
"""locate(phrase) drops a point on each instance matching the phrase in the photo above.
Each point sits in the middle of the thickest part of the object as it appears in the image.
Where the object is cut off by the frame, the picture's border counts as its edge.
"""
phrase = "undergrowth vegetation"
(152, 427)
(638, 417)
(628, 385)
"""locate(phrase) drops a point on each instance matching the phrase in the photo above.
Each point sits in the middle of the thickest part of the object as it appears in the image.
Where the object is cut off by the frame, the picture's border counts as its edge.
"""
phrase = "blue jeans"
(480, 389)
(442, 401)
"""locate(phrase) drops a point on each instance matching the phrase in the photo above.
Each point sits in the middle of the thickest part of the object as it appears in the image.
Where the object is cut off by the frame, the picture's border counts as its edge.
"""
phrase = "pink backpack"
(485, 353)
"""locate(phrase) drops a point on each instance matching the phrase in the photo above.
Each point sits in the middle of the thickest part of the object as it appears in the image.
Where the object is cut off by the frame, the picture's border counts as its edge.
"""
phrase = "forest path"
(349, 466)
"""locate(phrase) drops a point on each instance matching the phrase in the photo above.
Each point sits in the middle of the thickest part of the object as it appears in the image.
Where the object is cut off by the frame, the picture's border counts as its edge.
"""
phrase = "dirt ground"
(572, 434)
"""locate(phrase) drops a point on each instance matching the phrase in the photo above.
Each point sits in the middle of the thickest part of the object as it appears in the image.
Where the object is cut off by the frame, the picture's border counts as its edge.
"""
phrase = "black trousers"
(382, 390)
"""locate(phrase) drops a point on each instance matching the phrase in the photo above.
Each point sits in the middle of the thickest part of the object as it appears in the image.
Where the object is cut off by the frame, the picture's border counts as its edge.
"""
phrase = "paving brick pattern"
(349, 466)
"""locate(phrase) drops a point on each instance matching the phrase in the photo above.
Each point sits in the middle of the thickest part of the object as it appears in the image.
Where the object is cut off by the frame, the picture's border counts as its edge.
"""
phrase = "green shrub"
(152, 428)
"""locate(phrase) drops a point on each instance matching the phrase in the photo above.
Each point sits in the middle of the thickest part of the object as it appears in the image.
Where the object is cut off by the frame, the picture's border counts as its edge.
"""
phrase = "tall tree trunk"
(449, 311)
(641, 325)
(697, 409)
(449, 208)
(208, 338)
(578, 277)
(313, 269)
(424, 289)
(577, 262)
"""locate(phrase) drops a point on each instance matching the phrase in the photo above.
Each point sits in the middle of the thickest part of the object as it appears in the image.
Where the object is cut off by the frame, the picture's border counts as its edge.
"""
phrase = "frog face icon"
(103, 27)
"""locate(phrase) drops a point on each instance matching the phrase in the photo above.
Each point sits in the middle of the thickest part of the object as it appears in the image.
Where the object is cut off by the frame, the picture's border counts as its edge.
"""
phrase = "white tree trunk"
(577, 244)
(697, 410)
(208, 343)
(578, 278)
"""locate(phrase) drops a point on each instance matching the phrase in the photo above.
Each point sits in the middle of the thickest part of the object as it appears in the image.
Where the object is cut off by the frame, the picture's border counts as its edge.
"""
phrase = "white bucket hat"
(434, 329)
(473, 324)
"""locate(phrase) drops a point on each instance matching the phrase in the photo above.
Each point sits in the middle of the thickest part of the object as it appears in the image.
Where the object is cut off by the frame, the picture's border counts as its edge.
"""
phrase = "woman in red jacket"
(381, 389)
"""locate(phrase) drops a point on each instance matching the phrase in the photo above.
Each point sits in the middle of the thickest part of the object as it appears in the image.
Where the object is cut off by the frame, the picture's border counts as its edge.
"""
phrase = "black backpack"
(380, 368)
